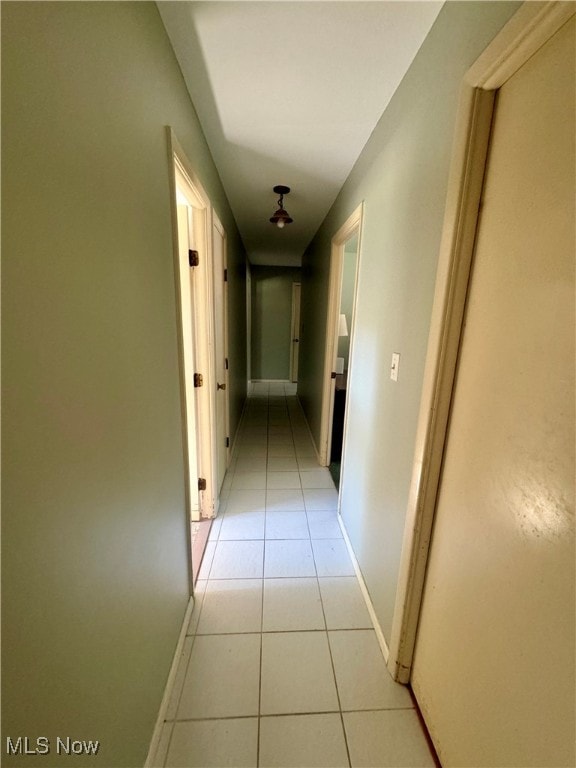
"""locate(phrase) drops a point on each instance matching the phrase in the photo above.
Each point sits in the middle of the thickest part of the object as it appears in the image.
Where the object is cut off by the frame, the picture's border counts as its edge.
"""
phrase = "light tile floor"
(281, 665)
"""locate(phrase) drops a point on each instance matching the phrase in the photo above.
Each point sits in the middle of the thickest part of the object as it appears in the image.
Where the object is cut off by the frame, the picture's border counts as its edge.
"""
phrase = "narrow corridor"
(281, 665)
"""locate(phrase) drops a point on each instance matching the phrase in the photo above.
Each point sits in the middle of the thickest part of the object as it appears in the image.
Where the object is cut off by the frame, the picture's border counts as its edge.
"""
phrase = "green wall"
(94, 563)
(401, 176)
(271, 318)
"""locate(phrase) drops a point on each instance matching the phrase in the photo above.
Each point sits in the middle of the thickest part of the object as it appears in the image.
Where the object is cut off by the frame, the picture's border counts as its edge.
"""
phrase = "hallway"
(281, 665)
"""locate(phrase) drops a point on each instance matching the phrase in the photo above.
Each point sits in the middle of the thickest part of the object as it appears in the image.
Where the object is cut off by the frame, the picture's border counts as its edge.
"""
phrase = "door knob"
(220, 386)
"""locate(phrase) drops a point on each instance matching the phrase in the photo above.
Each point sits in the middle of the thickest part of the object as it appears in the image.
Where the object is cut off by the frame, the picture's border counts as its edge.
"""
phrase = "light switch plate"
(395, 364)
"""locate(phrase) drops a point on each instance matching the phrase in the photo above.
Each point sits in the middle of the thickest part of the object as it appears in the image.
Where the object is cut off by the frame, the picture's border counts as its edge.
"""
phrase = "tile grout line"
(181, 692)
(332, 661)
(278, 715)
(262, 603)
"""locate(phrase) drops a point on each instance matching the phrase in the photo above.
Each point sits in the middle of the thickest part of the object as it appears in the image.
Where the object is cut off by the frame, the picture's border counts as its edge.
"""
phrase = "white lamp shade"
(342, 326)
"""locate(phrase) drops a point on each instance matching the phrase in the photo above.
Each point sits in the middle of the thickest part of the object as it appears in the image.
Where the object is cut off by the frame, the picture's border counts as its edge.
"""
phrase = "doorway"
(194, 292)
(220, 274)
(344, 262)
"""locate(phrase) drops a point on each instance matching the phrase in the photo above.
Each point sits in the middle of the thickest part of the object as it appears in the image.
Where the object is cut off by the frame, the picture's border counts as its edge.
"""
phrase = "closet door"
(494, 661)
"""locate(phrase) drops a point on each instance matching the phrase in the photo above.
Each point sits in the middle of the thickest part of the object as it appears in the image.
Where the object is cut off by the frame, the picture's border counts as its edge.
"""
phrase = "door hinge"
(198, 380)
(193, 258)
(227, 442)
(201, 483)
(225, 275)
(334, 374)
(226, 362)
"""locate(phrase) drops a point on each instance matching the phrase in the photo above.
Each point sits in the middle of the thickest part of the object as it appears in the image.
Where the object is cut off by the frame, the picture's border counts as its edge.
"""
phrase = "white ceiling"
(289, 93)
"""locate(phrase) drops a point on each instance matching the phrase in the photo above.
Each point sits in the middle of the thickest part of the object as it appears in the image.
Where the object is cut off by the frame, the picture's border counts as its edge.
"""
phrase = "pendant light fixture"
(281, 216)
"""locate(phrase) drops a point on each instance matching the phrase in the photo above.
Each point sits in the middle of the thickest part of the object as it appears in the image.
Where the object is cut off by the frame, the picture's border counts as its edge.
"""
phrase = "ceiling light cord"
(281, 217)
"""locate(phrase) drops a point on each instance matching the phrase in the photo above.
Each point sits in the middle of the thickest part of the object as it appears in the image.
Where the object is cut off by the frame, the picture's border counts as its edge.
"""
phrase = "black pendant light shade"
(281, 217)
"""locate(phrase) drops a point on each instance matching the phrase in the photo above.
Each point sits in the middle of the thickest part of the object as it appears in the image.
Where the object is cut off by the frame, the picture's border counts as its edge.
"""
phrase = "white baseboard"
(310, 433)
(169, 685)
(377, 628)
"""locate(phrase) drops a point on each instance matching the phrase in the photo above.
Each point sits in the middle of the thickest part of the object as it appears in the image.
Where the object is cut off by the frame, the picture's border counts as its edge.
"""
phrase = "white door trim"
(520, 38)
(183, 176)
(295, 331)
(352, 225)
(217, 224)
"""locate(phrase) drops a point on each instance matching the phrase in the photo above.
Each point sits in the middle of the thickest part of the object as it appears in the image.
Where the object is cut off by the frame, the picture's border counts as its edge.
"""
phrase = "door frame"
(217, 224)
(530, 28)
(351, 226)
(182, 174)
(295, 330)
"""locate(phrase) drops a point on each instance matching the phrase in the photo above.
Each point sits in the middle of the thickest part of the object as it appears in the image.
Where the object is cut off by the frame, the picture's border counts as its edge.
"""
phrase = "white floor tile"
(279, 430)
(179, 679)
(282, 464)
(214, 744)
(207, 558)
(251, 463)
(332, 558)
(281, 450)
(324, 524)
(292, 524)
(242, 526)
(306, 463)
(246, 501)
(325, 498)
(231, 606)
(279, 418)
(249, 481)
(305, 451)
(344, 605)
(284, 500)
(277, 480)
(251, 450)
(390, 739)
(361, 674)
(277, 446)
(286, 559)
(297, 674)
(313, 741)
(292, 604)
(223, 677)
(316, 478)
(255, 429)
(291, 586)
(238, 560)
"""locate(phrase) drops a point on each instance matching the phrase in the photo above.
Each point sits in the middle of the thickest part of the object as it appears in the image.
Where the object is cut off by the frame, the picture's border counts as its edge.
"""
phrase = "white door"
(194, 269)
(295, 330)
(494, 660)
(221, 349)
(185, 243)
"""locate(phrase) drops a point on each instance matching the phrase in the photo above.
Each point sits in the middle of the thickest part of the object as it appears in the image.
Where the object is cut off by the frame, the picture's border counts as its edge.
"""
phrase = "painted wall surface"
(401, 176)
(271, 321)
(94, 563)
